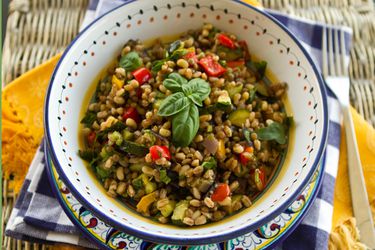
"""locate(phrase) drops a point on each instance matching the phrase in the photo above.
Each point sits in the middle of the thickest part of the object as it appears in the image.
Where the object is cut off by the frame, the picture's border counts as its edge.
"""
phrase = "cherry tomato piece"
(226, 41)
(142, 75)
(246, 155)
(131, 112)
(211, 67)
(260, 178)
(91, 137)
(191, 55)
(221, 192)
(158, 152)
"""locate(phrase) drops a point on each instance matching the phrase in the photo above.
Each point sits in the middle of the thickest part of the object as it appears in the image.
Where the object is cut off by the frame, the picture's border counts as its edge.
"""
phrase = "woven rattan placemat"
(38, 29)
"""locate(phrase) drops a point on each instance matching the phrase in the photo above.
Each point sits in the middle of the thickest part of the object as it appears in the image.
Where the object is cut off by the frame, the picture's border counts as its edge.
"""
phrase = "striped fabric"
(38, 216)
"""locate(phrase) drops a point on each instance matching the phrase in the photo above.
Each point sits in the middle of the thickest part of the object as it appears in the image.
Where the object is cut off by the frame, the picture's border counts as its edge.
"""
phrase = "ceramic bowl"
(96, 46)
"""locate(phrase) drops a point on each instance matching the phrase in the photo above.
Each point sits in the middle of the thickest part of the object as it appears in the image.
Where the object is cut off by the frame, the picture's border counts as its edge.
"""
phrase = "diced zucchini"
(134, 148)
(179, 211)
(168, 209)
(209, 129)
(262, 89)
(224, 100)
(234, 90)
(138, 182)
(239, 117)
(148, 185)
(127, 135)
(136, 167)
(145, 202)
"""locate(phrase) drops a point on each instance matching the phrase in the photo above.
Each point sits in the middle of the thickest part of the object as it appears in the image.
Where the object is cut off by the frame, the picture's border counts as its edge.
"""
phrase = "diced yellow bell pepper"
(145, 202)
(117, 81)
(220, 153)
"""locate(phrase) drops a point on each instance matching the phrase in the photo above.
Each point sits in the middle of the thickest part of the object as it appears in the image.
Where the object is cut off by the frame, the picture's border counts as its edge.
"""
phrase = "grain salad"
(186, 132)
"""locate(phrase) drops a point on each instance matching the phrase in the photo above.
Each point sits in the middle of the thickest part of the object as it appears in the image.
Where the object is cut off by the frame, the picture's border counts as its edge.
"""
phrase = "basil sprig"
(181, 105)
(274, 131)
(130, 61)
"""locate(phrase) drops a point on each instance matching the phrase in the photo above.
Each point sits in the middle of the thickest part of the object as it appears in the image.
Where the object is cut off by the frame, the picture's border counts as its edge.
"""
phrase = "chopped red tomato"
(191, 55)
(131, 112)
(260, 178)
(211, 67)
(234, 64)
(246, 155)
(221, 192)
(91, 137)
(142, 75)
(158, 152)
(226, 41)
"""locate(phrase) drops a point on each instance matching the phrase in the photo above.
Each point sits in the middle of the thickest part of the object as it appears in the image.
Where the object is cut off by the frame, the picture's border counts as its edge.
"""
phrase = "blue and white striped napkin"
(38, 217)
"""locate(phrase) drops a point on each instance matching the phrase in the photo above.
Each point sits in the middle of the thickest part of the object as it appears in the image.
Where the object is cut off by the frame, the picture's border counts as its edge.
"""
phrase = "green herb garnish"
(182, 106)
(210, 164)
(89, 118)
(130, 61)
(274, 131)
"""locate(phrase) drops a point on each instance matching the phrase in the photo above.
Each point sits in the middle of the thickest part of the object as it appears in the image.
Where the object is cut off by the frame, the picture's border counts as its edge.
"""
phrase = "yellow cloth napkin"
(22, 123)
(344, 233)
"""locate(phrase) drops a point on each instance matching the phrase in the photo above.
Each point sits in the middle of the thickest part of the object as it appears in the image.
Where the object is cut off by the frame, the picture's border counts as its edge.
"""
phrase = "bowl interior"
(101, 42)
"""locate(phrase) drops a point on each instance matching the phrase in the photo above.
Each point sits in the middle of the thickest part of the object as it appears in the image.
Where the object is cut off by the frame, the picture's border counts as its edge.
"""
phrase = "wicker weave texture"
(38, 29)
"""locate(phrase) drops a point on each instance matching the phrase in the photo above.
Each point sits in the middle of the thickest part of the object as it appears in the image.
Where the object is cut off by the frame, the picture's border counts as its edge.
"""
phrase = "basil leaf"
(261, 68)
(210, 164)
(196, 99)
(156, 65)
(197, 86)
(178, 78)
(178, 54)
(173, 104)
(89, 118)
(274, 131)
(185, 126)
(130, 61)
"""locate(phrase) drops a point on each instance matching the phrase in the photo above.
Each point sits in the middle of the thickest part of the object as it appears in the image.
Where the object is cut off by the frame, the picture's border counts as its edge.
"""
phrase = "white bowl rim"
(207, 239)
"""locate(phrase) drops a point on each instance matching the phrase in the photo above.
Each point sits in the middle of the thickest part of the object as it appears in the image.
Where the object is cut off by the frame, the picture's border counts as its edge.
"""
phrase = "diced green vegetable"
(130, 61)
(138, 182)
(115, 137)
(168, 209)
(252, 95)
(262, 89)
(274, 131)
(209, 164)
(224, 100)
(149, 136)
(209, 129)
(150, 187)
(136, 167)
(118, 126)
(102, 173)
(89, 118)
(127, 135)
(234, 90)
(164, 177)
(156, 65)
(246, 133)
(179, 211)
(134, 148)
(239, 116)
(261, 68)
(104, 154)
(87, 155)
